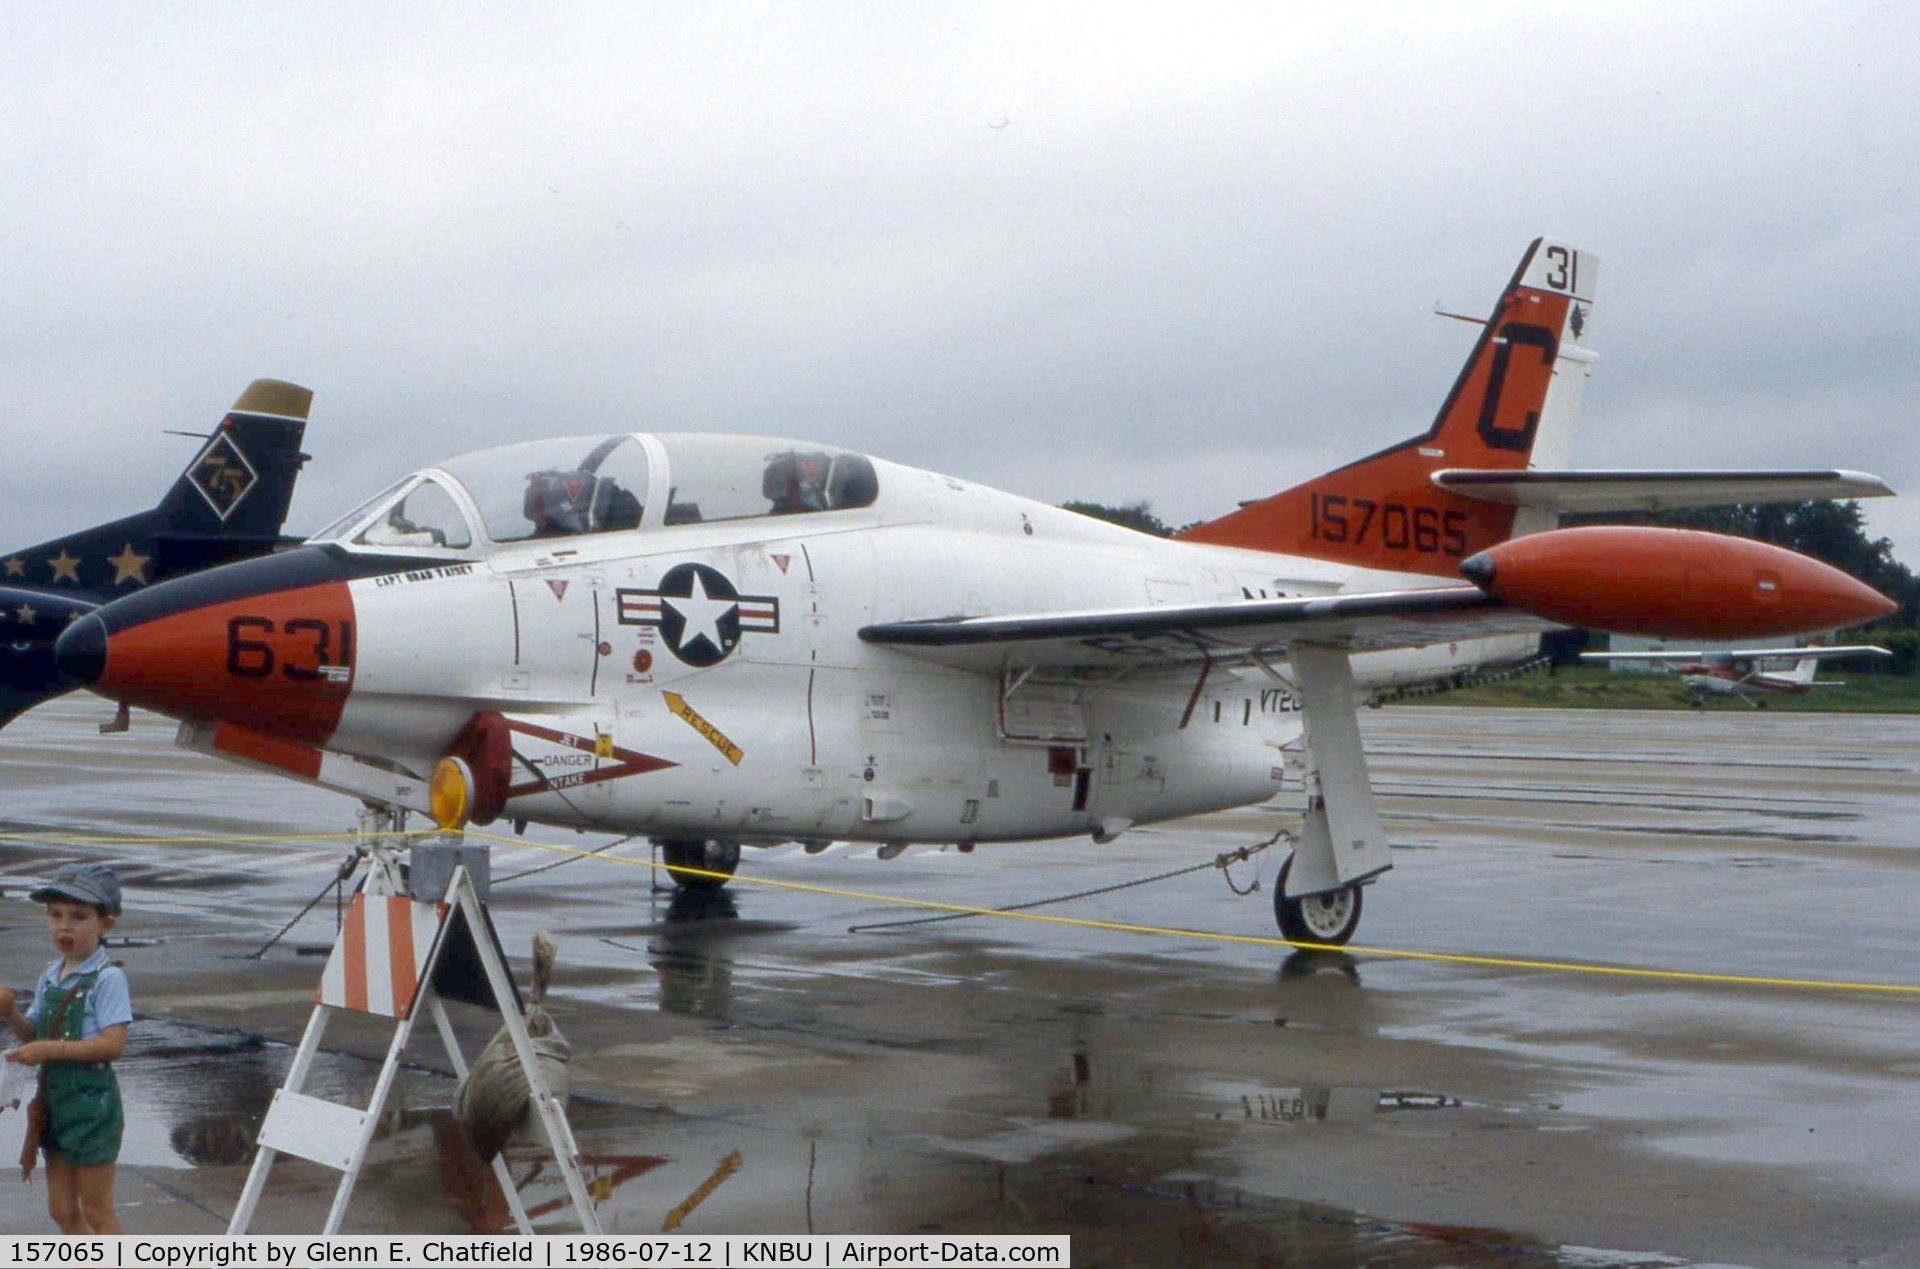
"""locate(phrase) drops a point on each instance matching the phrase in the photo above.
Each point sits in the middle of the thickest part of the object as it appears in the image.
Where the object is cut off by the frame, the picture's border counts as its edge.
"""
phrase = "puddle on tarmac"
(196, 1095)
(1088, 1089)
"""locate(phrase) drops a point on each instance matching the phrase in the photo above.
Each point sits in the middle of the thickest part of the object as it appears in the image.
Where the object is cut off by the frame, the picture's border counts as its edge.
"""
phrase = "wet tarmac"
(1165, 1100)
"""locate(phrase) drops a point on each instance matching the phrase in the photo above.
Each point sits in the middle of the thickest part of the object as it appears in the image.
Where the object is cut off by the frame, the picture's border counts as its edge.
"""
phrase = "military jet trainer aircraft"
(1744, 673)
(716, 640)
(227, 505)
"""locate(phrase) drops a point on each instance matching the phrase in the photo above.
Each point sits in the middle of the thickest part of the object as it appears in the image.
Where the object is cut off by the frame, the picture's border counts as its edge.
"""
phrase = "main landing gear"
(1341, 843)
(707, 855)
(1329, 917)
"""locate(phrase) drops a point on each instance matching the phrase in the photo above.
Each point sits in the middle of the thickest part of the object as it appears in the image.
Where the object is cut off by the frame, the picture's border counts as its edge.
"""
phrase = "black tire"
(1329, 918)
(709, 855)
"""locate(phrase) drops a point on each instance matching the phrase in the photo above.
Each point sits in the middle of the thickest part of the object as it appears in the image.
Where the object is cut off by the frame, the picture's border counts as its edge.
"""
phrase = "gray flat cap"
(88, 883)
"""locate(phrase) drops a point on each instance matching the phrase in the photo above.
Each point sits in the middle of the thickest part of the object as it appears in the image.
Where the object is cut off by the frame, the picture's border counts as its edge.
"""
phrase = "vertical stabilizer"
(1802, 672)
(228, 504)
(241, 482)
(1515, 405)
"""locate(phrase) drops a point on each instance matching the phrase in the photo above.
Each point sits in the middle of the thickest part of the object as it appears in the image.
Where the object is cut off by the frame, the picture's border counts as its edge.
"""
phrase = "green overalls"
(84, 1119)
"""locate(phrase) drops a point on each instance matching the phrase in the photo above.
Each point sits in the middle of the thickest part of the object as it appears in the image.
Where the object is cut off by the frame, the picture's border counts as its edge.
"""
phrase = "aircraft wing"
(1586, 491)
(1225, 633)
(1744, 654)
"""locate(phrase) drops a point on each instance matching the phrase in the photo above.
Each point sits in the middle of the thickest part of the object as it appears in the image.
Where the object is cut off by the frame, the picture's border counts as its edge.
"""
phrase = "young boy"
(74, 1029)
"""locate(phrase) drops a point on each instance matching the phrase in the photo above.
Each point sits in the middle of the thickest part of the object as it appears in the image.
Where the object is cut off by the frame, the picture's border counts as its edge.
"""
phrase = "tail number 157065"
(1392, 525)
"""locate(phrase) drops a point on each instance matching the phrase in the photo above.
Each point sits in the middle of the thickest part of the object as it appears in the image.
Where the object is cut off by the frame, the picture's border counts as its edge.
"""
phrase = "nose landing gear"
(692, 862)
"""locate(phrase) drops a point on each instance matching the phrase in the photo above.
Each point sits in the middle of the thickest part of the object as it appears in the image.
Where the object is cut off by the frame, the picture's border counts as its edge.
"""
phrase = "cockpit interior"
(585, 485)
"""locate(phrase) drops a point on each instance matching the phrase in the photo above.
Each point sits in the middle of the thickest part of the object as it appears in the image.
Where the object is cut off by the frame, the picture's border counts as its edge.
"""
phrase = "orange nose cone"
(280, 663)
(1673, 584)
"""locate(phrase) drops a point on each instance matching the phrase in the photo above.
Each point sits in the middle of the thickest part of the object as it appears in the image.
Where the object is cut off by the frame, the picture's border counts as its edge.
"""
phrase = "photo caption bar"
(554, 1251)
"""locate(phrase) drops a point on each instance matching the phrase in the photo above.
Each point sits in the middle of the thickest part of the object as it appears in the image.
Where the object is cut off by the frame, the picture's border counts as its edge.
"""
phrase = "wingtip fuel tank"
(1672, 583)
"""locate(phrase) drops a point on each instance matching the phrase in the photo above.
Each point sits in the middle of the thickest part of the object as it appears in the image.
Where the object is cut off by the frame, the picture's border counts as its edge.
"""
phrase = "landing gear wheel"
(709, 855)
(1331, 917)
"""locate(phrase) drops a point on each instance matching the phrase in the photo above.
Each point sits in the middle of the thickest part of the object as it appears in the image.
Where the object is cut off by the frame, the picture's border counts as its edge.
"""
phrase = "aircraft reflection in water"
(716, 640)
(1113, 1084)
(692, 957)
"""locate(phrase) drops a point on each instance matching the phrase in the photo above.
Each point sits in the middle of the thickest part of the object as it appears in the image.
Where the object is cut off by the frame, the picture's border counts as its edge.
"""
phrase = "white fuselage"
(801, 730)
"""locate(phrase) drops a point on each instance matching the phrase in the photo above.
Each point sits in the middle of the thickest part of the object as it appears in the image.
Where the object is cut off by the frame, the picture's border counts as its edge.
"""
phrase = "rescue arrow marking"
(714, 736)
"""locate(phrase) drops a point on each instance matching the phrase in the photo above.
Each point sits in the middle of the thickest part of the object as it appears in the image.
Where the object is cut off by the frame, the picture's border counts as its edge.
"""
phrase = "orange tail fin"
(1518, 395)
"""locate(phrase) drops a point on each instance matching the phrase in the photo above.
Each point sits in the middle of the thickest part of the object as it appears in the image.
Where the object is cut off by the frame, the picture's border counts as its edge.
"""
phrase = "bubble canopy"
(581, 485)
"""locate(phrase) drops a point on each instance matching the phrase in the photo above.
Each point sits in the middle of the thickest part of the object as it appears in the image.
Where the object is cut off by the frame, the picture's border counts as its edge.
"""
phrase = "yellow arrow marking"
(726, 1168)
(714, 736)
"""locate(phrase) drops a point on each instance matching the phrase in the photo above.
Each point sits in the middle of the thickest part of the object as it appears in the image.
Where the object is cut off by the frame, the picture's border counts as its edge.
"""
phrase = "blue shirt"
(109, 1004)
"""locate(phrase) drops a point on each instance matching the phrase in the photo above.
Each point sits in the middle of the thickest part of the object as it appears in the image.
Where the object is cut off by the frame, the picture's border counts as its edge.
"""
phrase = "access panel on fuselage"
(558, 623)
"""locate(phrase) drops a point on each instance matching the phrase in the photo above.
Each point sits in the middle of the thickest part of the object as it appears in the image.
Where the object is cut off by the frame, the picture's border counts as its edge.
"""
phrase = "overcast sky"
(1189, 256)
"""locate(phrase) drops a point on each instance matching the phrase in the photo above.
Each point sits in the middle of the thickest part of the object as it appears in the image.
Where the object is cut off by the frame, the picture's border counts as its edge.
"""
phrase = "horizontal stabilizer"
(1586, 491)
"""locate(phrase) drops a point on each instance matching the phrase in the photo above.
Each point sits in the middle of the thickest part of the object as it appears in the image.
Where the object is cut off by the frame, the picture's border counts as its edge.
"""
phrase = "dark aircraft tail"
(228, 504)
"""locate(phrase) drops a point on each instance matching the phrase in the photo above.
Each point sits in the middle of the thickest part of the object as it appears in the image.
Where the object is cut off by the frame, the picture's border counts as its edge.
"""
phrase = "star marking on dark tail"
(65, 567)
(129, 566)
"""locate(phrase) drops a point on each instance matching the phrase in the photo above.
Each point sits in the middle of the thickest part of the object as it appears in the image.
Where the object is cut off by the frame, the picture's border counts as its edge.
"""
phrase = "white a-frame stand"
(383, 964)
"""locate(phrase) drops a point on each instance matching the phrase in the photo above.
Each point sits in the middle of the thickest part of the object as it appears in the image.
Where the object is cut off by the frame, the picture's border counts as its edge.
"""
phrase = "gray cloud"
(1101, 253)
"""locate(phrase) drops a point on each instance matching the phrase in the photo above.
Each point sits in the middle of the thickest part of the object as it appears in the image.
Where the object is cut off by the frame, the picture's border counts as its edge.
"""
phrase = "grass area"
(1597, 687)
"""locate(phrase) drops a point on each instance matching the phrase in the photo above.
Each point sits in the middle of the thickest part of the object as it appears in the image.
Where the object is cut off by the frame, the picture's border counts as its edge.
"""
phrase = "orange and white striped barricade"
(383, 965)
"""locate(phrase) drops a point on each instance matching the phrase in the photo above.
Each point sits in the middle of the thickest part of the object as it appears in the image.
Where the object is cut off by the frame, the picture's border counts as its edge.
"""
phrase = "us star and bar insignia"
(699, 612)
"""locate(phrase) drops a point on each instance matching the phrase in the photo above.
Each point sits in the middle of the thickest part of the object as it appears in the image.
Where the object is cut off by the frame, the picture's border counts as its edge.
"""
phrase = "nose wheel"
(706, 856)
(1329, 917)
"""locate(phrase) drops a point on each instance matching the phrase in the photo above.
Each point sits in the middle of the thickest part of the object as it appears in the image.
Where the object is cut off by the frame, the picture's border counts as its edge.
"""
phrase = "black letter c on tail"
(1520, 439)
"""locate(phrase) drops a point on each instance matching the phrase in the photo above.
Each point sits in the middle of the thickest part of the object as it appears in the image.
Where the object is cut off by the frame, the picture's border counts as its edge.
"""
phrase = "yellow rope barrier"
(71, 839)
(1120, 927)
(1256, 940)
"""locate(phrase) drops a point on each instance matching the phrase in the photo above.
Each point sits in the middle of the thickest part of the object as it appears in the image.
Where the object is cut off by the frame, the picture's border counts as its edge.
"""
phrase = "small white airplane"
(716, 640)
(1746, 672)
